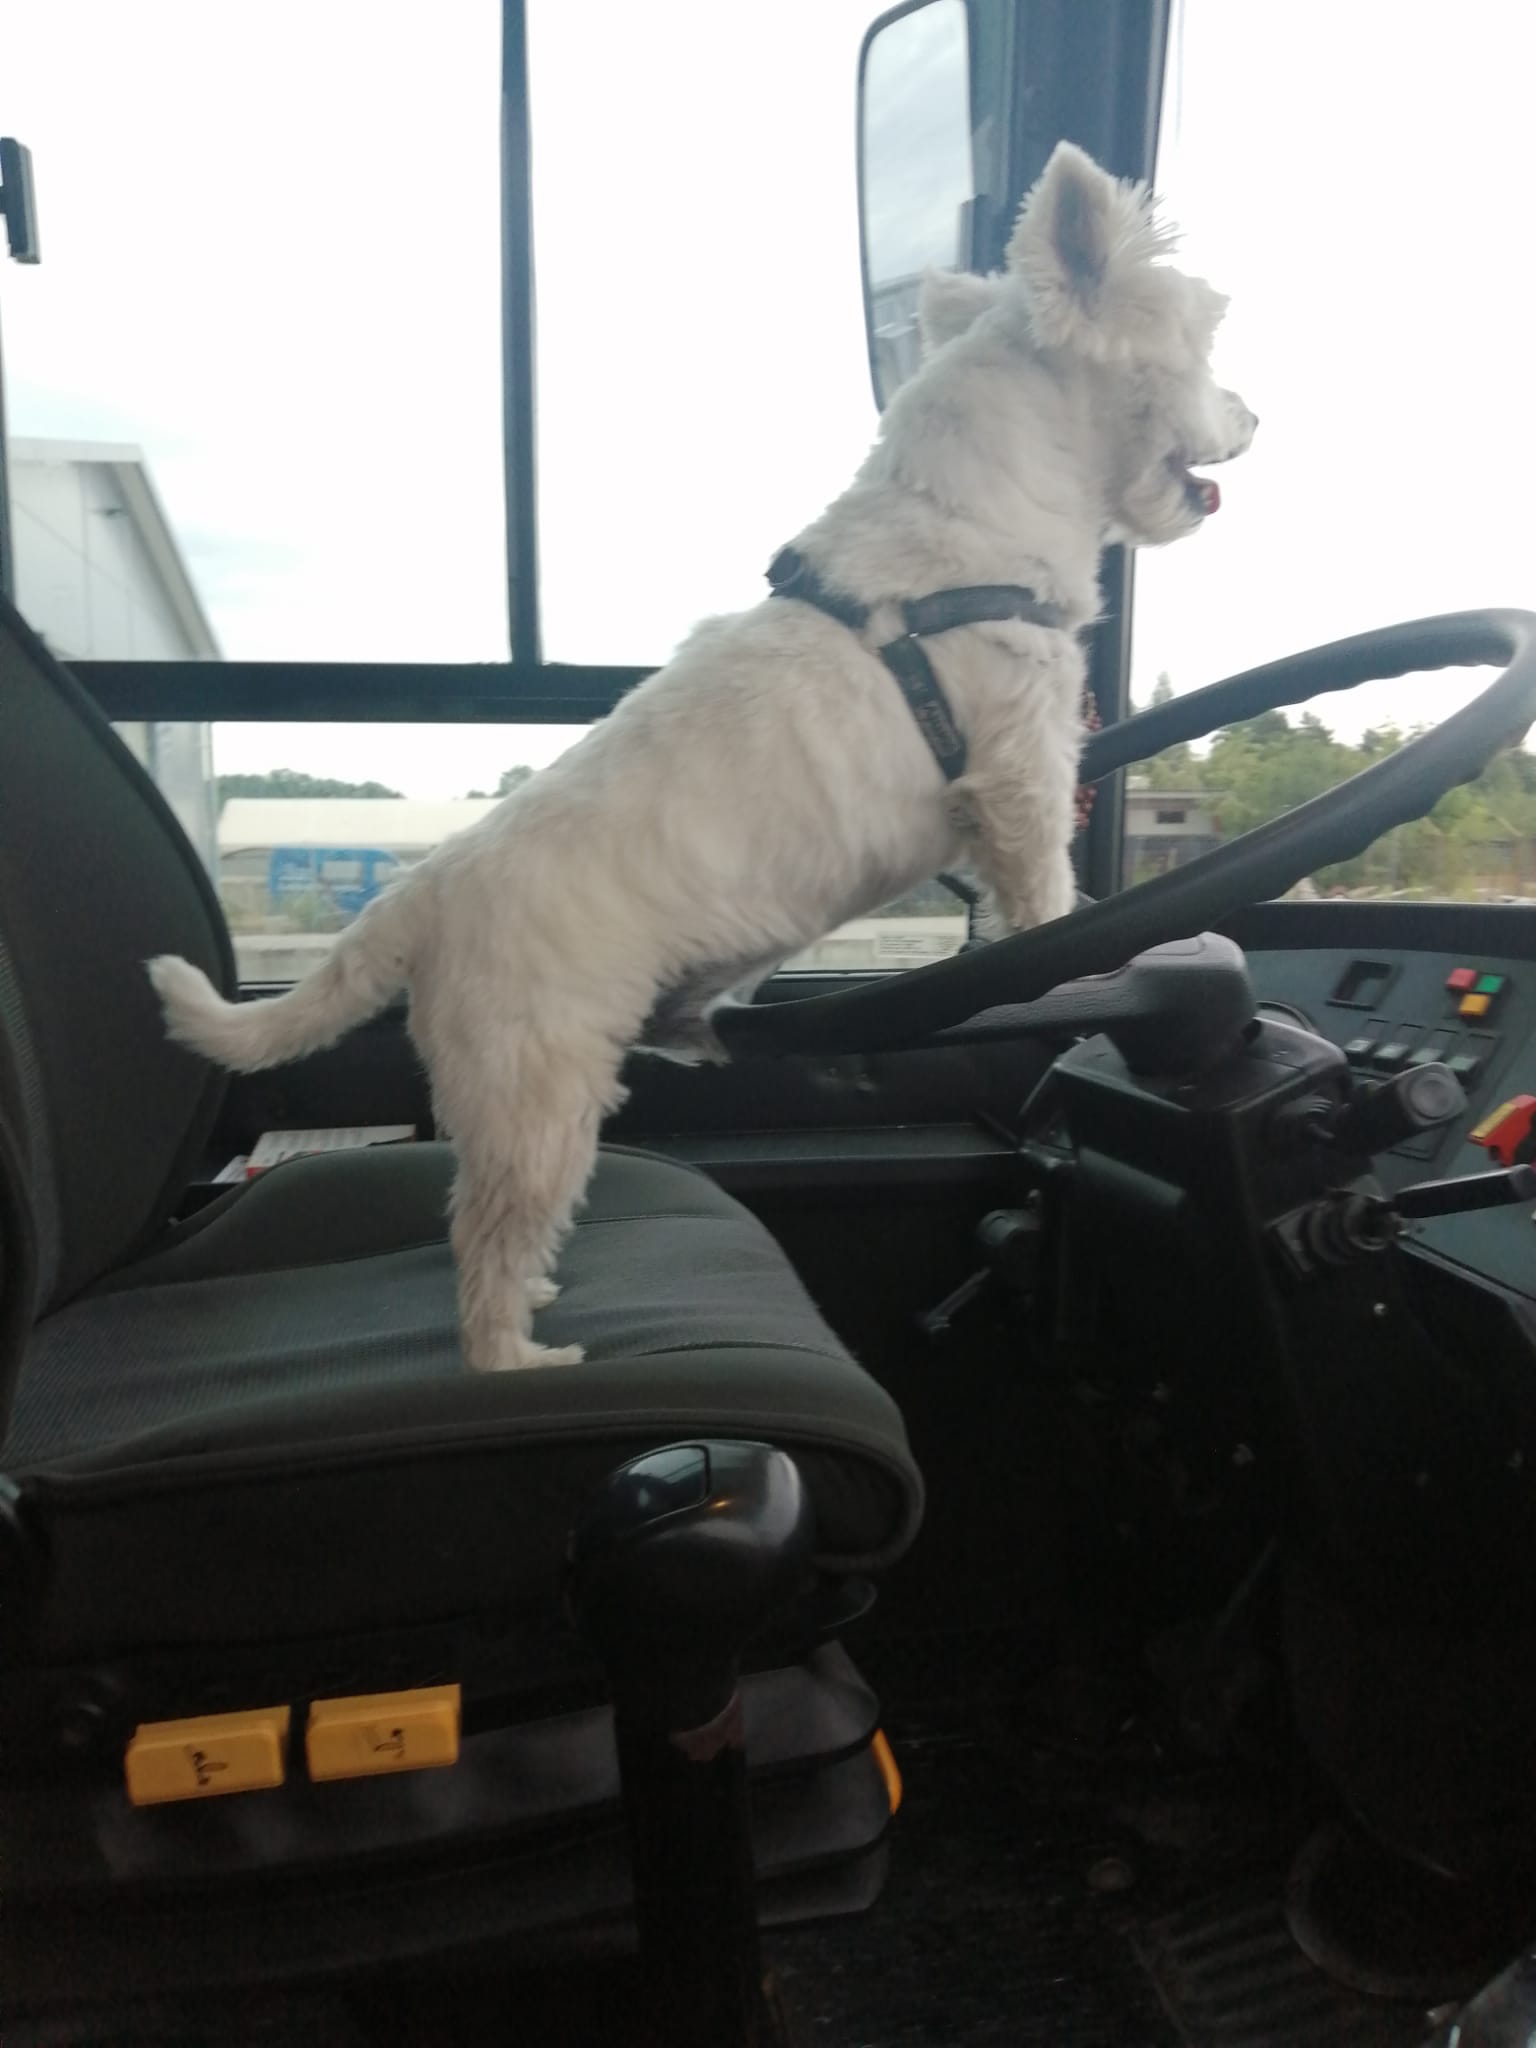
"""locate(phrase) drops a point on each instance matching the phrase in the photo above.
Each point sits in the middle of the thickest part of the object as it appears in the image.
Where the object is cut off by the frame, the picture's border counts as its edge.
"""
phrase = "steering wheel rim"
(913, 1007)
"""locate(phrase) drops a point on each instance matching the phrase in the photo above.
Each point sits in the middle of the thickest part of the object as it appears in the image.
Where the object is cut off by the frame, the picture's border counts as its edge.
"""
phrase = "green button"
(1487, 984)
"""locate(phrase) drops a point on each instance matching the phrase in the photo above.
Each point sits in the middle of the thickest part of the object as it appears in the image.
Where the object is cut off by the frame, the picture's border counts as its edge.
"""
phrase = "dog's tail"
(369, 963)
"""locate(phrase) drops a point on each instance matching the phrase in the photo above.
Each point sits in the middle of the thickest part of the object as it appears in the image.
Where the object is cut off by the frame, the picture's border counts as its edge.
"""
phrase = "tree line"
(294, 782)
(1481, 836)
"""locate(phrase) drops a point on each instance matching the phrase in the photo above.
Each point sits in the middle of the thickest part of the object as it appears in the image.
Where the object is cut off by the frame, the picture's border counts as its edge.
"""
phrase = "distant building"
(1166, 827)
(100, 575)
(293, 870)
(335, 852)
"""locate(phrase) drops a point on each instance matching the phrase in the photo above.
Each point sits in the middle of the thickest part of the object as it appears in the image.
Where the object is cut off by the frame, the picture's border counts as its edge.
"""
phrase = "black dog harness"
(791, 575)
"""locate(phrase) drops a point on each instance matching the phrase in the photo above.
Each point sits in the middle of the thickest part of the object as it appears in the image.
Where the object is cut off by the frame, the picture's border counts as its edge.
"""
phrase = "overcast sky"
(270, 245)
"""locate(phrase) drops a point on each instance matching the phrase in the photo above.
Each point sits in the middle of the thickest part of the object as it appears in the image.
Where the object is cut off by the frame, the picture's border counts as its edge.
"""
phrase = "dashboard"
(1407, 984)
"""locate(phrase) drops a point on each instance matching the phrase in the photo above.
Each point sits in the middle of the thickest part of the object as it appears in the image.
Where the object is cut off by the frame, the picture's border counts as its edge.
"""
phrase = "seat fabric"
(263, 1429)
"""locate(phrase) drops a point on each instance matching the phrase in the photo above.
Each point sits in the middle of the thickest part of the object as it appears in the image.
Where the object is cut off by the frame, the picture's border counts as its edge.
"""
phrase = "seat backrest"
(101, 1120)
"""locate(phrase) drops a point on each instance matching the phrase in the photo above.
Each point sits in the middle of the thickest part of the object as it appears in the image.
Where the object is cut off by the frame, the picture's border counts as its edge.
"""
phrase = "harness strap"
(906, 658)
(791, 575)
(908, 662)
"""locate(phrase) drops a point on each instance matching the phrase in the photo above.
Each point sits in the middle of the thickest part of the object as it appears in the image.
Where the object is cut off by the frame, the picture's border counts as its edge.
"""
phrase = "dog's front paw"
(510, 1351)
(543, 1293)
(1055, 894)
(988, 921)
(548, 1354)
(1061, 902)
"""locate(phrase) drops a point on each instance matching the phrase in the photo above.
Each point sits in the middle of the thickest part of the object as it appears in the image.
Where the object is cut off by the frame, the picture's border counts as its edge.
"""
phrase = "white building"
(100, 576)
(407, 827)
(1166, 827)
(293, 870)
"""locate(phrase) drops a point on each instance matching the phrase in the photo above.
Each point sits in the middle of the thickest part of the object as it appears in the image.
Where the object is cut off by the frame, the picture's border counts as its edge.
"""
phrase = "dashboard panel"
(1394, 985)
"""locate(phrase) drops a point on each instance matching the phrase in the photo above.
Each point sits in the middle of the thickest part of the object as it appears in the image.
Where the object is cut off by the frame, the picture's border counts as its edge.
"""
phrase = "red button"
(1460, 979)
(1507, 1131)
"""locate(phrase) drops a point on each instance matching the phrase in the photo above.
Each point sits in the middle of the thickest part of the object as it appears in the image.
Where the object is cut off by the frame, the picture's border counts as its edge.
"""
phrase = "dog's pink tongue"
(1210, 495)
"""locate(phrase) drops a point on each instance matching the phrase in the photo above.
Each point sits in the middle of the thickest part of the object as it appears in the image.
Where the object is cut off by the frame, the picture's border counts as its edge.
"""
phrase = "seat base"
(521, 1844)
(264, 1431)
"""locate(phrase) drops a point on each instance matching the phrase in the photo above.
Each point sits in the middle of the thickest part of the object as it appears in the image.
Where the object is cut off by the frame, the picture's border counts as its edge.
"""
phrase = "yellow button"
(383, 1731)
(210, 1754)
(1475, 1006)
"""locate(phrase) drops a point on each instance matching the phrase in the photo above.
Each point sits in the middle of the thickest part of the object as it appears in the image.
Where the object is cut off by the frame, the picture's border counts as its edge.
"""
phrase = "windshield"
(254, 387)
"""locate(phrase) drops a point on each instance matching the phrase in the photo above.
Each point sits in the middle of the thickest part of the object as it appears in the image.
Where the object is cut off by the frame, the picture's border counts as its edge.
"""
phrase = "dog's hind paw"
(543, 1293)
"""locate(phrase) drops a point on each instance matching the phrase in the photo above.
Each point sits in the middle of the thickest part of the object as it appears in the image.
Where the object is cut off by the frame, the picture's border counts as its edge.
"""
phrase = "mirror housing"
(917, 175)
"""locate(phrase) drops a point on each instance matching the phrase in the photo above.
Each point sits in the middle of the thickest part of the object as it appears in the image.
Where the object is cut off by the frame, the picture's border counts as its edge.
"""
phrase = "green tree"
(293, 782)
(1480, 836)
(1267, 766)
(1176, 767)
(511, 778)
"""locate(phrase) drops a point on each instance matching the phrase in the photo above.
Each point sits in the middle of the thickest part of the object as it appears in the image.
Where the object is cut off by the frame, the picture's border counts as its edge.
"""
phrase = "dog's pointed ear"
(949, 302)
(1082, 247)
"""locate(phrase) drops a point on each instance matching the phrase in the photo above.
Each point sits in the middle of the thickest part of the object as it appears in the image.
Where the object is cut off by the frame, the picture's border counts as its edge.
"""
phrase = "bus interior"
(1034, 1552)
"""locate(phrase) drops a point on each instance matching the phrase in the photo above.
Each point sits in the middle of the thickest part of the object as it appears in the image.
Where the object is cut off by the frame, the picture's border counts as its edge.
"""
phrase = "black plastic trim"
(1496, 931)
(518, 331)
(921, 1159)
(358, 692)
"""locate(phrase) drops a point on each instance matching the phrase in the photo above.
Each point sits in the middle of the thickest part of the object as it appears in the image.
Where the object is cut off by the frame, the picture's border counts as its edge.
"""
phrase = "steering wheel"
(914, 1007)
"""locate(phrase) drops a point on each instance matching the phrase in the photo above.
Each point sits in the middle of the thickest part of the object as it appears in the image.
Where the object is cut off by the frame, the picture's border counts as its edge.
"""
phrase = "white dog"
(772, 782)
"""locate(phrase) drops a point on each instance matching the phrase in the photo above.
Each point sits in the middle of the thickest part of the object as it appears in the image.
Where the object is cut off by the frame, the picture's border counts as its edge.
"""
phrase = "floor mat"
(1232, 1977)
(990, 1933)
(1058, 1879)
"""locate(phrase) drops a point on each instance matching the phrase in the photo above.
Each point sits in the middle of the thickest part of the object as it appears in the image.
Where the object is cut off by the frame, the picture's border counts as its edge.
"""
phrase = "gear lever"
(679, 1559)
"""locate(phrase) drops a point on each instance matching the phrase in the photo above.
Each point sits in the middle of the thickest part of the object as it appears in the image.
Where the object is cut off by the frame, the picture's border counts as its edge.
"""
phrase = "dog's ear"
(1083, 247)
(949, 302)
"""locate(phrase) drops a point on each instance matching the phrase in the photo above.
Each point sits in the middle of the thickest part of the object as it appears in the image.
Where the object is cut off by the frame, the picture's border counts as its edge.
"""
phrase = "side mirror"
(917, 179)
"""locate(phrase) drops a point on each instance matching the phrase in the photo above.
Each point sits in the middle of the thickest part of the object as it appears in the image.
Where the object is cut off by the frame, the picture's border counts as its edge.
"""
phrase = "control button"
(206, 1756)
(372, 1733)
(1430, 1096)
(1359, 1050)
(1466, 1066)
(1428, 1056)
(1487, 984)
(1389, 1057)
(1475, 1005)
(1460, 979)
(1506, 1131)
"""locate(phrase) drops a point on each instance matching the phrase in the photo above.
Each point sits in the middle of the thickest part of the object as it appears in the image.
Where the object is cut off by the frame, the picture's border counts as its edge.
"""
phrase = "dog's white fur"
(770, 782)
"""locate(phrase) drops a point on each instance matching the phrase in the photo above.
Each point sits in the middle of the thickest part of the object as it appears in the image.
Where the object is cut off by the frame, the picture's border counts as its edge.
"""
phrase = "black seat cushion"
(264, 1429)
